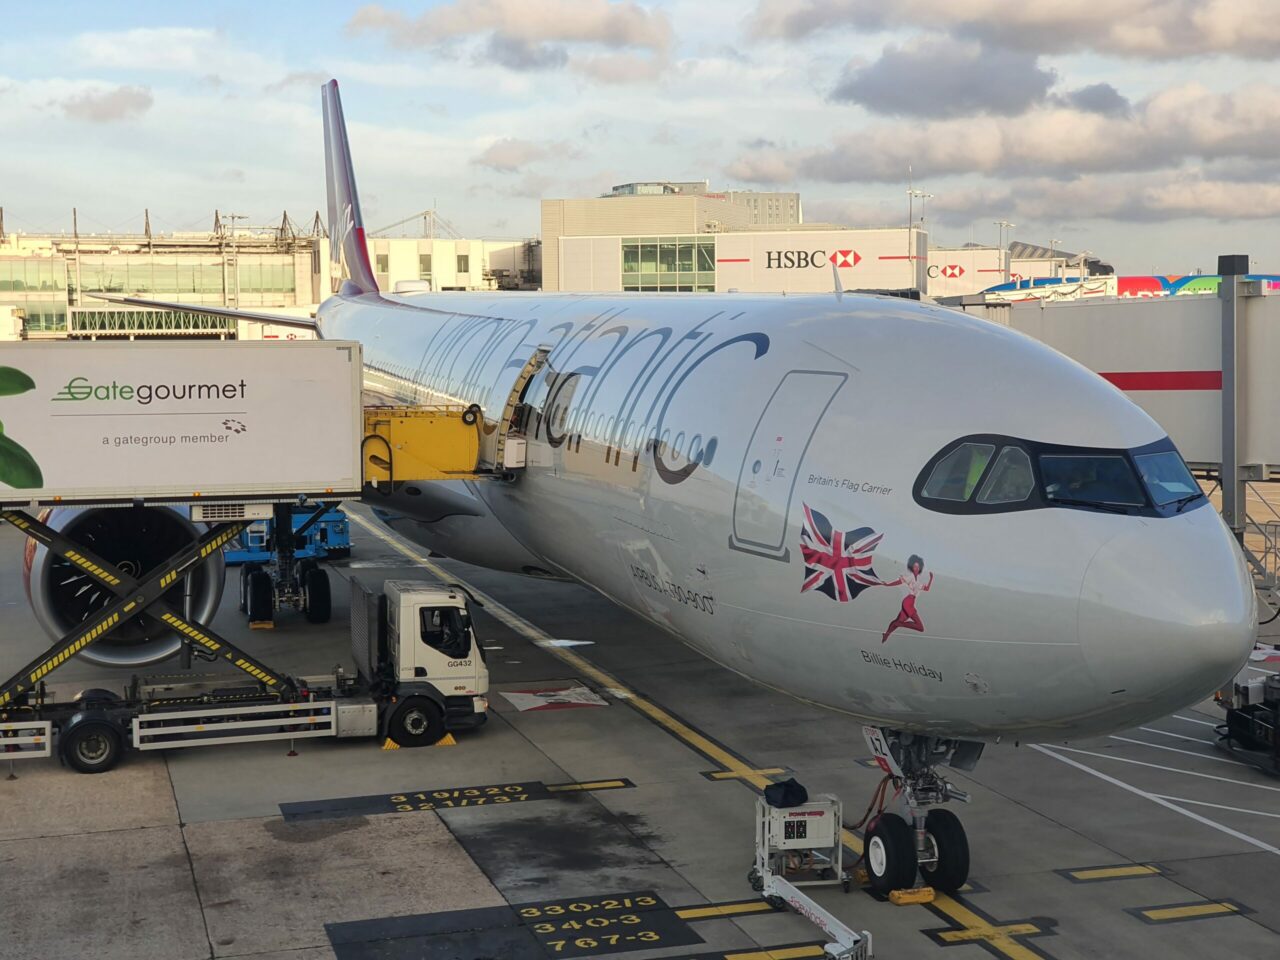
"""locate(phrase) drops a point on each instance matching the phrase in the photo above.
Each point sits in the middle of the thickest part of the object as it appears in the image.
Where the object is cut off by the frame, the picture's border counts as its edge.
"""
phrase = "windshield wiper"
(1109, 507)
(1189, 498)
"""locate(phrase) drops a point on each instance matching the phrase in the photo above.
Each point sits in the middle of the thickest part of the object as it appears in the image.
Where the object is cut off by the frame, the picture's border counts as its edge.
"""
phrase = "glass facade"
(37, 286)
(464, 263)
(669, 264)
(424, 266)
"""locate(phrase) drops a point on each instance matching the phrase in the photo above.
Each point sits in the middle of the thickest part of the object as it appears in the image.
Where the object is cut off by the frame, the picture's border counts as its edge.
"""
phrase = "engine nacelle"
(136, 540)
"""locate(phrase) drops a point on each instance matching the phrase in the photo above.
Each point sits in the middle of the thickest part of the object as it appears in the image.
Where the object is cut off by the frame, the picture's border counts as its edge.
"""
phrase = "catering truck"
(420, 674)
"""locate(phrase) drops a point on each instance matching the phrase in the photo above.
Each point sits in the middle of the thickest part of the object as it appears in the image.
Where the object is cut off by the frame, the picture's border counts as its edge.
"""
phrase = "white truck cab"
(429, 629)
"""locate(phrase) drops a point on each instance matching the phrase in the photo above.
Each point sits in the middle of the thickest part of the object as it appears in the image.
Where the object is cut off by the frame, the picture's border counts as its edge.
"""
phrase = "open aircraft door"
(770, 468)
(502, 440)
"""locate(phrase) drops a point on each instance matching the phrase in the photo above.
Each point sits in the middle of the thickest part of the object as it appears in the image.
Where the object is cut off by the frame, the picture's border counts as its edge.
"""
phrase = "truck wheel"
(317, 603)
(93, 746)
(418, 722)
(246, 571)
(260, 597)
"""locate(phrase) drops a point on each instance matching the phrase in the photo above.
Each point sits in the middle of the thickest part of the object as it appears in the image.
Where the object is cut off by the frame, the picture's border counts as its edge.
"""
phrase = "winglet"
(835, 272)
(347, 246)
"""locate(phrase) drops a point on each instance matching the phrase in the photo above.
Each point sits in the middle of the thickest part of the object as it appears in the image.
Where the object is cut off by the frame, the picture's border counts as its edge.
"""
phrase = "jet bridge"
(1205, 367)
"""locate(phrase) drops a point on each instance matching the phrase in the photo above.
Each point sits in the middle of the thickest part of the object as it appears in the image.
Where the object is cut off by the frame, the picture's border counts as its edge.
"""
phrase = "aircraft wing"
(305, 323)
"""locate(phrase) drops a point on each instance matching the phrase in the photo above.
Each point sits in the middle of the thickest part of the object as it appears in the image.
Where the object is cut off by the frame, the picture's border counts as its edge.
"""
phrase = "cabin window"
(445, 629)
(958, 473)
(1167, 478)
(1010, 480)
(1103, 481)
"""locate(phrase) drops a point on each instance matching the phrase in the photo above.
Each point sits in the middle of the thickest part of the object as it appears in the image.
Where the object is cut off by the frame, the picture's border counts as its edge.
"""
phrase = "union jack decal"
(837, 562)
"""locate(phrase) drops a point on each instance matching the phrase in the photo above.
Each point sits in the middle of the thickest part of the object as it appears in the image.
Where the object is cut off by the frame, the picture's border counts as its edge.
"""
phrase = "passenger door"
(767, 477)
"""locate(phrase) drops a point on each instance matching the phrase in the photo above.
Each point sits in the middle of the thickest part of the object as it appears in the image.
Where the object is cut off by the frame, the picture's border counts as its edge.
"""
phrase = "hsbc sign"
(799, 259)
(952, 271)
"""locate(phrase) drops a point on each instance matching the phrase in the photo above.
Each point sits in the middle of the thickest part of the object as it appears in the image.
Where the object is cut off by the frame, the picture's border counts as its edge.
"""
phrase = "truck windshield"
(1090, 479)
(1167, 477)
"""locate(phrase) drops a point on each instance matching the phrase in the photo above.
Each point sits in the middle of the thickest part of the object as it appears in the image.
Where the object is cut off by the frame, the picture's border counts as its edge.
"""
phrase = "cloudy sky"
(1146, 131)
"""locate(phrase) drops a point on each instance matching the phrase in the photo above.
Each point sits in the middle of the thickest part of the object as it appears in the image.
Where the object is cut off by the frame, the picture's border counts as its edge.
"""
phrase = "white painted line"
(1218, 806)
(1270, 673)
(1185, 753)
(569, 643)
(1166, 733)
(1207, 723)
(1222, 828)
(1157, 766)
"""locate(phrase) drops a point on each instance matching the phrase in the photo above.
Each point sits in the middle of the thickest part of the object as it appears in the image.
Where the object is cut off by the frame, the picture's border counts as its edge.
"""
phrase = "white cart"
(800, 844)
(802, 847)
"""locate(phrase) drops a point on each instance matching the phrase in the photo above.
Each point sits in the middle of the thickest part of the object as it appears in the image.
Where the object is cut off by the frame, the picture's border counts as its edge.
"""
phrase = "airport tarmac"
(537, 835)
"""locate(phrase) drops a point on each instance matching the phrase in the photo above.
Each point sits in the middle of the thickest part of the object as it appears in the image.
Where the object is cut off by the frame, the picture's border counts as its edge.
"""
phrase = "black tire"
(417, 722)
(93, 746)
(952, 868)
(890, 855)
(471, 415)
(246, 570)
(260, 600)
(317, 603)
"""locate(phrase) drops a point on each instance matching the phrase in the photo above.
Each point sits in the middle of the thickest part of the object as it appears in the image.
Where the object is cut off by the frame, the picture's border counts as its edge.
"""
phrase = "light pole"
(912, 194)
(1004, 253)
(235, 260)
(1053, 256)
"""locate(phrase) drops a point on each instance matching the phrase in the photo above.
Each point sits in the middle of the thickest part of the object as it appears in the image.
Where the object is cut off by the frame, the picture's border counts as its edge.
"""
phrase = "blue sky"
(1147, 137)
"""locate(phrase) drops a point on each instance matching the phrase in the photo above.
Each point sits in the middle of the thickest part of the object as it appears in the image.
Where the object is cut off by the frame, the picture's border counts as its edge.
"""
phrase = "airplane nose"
(1168, 614)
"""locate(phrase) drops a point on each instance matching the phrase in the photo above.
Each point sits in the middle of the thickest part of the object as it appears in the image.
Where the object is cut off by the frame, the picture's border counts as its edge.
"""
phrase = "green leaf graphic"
(14, 381)
(17, 468)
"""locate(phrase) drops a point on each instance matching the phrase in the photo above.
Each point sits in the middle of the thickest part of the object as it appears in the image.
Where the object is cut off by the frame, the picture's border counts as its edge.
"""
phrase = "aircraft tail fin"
(348, 249)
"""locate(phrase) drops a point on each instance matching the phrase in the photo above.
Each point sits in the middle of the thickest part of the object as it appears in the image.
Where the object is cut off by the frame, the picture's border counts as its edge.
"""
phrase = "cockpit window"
(1167, 477)
(1010, 480)
(1084, 480)
(988, 473)
(958, 473)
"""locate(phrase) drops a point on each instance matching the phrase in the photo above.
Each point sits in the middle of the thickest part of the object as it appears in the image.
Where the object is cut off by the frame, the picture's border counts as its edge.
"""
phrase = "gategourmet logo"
(80, 389)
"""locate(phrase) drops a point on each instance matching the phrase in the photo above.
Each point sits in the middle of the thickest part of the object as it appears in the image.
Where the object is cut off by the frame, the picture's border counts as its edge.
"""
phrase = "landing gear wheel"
(891, 855)
(93, 746)
(471, 415)
(316, 602)
(418, 722)
(260, 598)
(246, 571)
(951, 870)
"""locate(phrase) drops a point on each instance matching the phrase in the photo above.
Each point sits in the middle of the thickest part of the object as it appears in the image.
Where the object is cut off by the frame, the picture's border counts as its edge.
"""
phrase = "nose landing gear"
(910, 839)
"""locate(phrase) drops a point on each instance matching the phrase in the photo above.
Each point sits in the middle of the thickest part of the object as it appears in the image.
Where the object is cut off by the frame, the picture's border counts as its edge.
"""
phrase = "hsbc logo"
(952, 271)
(793, 259)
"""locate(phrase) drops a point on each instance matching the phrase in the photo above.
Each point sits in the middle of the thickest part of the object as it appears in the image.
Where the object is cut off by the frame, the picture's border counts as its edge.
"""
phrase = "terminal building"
(48, 281)
(703, 243)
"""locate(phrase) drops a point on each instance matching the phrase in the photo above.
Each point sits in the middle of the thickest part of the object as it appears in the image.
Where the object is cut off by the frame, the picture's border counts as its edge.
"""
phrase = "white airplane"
(942, 528)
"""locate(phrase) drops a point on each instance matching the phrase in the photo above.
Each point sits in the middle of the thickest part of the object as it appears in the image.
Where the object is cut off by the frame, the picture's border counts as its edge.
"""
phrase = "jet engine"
(136, 540)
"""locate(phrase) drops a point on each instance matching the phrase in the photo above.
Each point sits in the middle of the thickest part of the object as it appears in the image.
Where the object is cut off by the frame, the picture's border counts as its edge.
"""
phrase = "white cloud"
(1164, 131)
(1144, 29)
(613, 42)
(108, 105)
(510, 154)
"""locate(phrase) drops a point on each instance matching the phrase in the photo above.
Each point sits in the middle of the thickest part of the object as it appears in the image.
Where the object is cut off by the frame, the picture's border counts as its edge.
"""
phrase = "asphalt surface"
(627, 819)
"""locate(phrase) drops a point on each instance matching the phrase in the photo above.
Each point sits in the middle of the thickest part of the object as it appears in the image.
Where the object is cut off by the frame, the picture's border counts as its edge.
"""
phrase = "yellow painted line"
(999, 938)
(1188, 911)
(731, 775)
(786, 953)
(976, 929)
(724, 910)
(590, 785)
(1115, 873)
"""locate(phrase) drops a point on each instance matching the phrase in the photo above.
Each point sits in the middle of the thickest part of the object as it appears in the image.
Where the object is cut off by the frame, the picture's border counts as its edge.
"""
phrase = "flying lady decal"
(837, 562)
